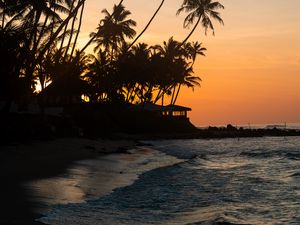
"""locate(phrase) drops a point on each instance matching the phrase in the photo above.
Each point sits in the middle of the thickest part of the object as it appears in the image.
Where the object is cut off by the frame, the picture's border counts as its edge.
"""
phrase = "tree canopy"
(38, 40)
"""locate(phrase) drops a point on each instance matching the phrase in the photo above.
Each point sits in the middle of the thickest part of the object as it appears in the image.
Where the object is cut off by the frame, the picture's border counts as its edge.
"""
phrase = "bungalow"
(169, 110)
(176, 111)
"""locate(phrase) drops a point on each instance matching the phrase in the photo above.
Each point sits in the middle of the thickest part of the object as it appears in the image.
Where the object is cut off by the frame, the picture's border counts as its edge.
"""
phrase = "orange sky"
(251, 73)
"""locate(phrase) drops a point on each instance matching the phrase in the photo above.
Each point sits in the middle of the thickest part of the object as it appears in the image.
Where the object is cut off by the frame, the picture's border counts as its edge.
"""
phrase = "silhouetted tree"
(12, 39)
(201, 11)
(94, 35)
(148, 24)
(114, 29)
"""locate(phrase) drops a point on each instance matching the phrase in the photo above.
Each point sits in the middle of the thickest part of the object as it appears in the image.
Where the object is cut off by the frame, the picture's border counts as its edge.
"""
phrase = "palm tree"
(141, 79)
(67, 74)
(114, 29)
(71, 32)
(177, 61)
(58, 30)
(66, 27)
(194, 49)
(170, 50)
(171, 54)
(148, 24)
(94, 35)
(12, 39)
(56, 9)
(29, 14)
(78, 30)
(98, 75)
(202, 11)
(186, 78)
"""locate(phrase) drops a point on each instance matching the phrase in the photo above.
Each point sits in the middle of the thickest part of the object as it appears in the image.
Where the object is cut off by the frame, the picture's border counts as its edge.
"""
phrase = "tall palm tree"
(201, 11)
(71, 33)
(148, 24)
(171, 54)
(78, 30)
(57, 7)
(58, 30)
(186, 78)
(99, 70)
(114, 29)
(94, 35)
(12, 39)
(178, 60)
(66, 27)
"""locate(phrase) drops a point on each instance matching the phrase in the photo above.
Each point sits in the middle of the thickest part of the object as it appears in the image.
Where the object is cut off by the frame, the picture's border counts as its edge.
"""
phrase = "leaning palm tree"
(148, 24)
(78, 30)
(202, 11)
(58, 30)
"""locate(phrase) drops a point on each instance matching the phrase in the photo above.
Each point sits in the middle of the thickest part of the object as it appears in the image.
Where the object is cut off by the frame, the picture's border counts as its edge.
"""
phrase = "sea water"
(228, 181)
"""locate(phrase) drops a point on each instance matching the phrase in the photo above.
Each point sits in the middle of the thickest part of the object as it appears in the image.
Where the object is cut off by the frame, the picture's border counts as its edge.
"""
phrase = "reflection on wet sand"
(90, 179)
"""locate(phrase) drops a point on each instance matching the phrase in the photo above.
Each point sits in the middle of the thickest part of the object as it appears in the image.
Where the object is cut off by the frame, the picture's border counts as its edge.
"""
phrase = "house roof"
(159, 108)
(177, 108)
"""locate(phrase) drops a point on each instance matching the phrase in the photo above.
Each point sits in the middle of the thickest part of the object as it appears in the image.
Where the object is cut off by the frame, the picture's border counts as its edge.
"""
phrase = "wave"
(295, 175)
(200, 182)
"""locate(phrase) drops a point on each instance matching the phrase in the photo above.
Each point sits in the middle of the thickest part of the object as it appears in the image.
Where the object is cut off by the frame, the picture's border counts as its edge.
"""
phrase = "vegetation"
(38, 40)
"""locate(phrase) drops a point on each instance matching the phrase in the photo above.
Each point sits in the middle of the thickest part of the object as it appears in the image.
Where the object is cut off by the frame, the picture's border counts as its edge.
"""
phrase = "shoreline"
(26, 162)
(44, 158)
(88, 180)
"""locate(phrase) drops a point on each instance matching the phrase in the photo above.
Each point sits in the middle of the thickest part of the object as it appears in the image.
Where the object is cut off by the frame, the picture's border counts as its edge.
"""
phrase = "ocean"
(184, 182)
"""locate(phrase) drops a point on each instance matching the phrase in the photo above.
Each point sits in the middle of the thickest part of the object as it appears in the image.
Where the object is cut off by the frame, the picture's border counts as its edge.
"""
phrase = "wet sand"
(89, 180)
(22, 163)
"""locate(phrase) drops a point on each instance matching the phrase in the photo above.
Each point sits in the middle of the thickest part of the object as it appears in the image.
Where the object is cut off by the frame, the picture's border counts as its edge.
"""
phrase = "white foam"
(89, 179)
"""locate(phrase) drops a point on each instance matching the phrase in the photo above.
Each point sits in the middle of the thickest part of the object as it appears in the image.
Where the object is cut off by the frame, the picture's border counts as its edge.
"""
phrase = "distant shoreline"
(26, 128)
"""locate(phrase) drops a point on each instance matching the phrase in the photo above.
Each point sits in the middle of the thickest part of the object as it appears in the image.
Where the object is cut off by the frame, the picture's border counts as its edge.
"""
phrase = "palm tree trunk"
(51, 33)
(173, 94)
(178, 90)
(71, 34)
(33, 35)
(78, 31)
(30, 65)
(94, 36)
(146, 27)
(190, 34)
(158, 95)
(56, 33)
(133, 92)
(65, 30)
(42, 31)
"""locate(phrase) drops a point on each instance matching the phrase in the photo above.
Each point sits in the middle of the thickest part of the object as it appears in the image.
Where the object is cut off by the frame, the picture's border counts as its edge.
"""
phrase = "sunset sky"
(251, 72)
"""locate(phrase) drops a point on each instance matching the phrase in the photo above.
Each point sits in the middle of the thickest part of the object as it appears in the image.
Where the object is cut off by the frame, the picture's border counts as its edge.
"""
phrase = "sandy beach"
(21, 163)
